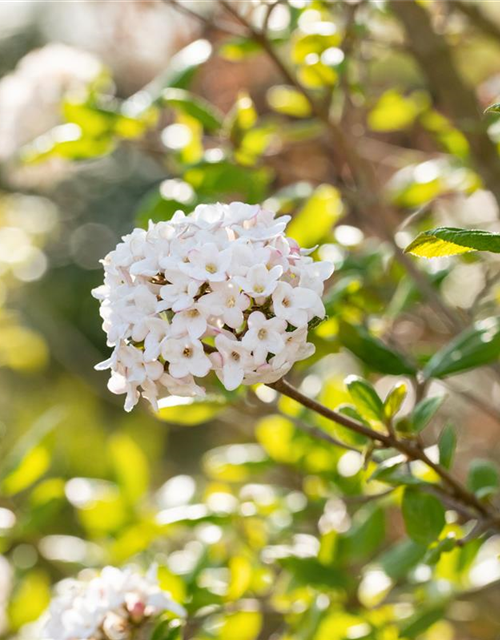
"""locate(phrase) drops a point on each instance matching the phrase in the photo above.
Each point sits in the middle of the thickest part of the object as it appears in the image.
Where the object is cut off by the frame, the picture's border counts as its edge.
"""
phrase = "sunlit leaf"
(31, 468)
(449, 241)
(241, 570)
(244, 625)
(131, 466)
(289, 101)
(29, 599)
(190, 411)
(395, 399)
(193, 106)
(317, 217)
(392, 112)
(365, 398)
(236, 49)
(181, 69)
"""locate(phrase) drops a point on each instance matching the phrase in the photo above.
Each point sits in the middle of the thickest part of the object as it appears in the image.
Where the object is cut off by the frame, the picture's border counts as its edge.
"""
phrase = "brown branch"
(477, 18)
(453, 94)
(452, 488)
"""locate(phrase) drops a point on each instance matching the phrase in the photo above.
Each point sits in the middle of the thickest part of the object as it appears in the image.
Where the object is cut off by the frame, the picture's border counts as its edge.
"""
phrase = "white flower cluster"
(222, 289)
(107, 607)
(30, 96)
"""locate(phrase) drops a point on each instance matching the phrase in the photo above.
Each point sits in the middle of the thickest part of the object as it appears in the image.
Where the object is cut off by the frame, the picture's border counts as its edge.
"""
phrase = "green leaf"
(32, 467)
(421, 621)
(193, 106)
(190, 411)
(364, 537)
(311, 573)
(398, 560)
(130, 465)
(165, 630)
(472, 348)
(289, 101)
(244, 625)
(493, 108)
(423, 515)
(449, 241)
(365, 398)
(181, 69)
(317, 217)
(372, 351)
(393, 112)
(483, 478)
(237, 49)
(424, 411)
(447, 444)
(164, 200)
(226, 180)
(395, 399)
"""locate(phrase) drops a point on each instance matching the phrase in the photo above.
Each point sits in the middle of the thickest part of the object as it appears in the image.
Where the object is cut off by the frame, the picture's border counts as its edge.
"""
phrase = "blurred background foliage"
(262, 531)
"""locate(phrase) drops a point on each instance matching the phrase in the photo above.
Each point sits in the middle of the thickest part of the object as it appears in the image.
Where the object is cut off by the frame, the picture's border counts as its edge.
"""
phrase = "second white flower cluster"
(221, 289)
(110, 606)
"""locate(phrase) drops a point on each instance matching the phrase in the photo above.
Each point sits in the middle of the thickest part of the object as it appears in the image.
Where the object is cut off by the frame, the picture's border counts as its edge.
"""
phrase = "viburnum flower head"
(222, 289)
(110, 606)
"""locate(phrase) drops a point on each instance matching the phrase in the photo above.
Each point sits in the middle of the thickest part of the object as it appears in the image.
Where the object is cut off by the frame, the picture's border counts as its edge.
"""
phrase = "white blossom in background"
(223, 289)
(108, 607)
(30, 96)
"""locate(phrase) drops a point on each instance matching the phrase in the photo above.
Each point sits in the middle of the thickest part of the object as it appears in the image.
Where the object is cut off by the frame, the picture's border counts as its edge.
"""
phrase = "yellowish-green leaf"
(289, 101)
(131, 466)
(241, 570)
(317, 217)
(449, 241)
(30, 599)
(392, 112)
(190, 411)
(32, 467)
(243, 625)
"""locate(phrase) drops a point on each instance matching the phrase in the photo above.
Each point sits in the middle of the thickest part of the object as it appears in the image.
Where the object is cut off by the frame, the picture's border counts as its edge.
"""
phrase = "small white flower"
(184, 357)
(192, 320)
(264, 336)
(226, 301)
(207, 263)
(296, 305)
(296, 348)
(179, 293)
(259, 281)
(232, 361)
